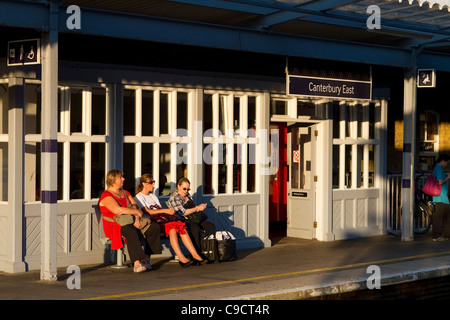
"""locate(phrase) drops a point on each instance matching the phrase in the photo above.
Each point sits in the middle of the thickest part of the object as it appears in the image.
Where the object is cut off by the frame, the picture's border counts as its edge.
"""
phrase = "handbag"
(163, 218)
(226, 246)
(124, 219)
(432, 186)
(196, 217)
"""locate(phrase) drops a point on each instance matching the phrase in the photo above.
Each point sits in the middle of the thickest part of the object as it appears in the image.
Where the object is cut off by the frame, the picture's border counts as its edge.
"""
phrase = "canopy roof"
(331, 29)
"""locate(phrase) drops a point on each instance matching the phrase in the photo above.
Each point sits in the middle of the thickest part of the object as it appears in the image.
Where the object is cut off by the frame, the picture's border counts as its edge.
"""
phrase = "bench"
(105, 240)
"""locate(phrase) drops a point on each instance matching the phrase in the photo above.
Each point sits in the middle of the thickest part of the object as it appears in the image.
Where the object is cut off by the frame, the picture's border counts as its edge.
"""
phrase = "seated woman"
(112, 202)
(172, 229)
(179, 200)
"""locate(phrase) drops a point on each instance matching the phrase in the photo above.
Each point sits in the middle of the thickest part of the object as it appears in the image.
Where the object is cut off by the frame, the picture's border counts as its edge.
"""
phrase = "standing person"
(151, 205)
(441, 217)
(112, 202)
(179, 200)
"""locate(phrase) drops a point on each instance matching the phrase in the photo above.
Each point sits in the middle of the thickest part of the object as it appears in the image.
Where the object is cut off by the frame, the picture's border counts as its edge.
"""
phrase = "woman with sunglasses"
(179, 200)
(112, 202)
(150, 203)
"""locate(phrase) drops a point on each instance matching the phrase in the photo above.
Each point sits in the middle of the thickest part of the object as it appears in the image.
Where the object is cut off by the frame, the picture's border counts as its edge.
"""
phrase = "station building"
(288, 117)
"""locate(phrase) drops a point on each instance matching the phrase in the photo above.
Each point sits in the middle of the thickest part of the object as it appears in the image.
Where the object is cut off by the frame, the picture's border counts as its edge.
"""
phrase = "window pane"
(251, 116)
(360, 168)
(181, 161)
(128, 167)
(359, 118)
(32, 115)
(4, 108)
(164, 170)
(278, 107)
(147, 113)
(31, 169)
(207, 115)
(305, 108)
(207, 170)
(76, 109)
(371, 121)
(222, 169)
(371, 166)
(336, 166)
(98, 169)
(98, 111)
(182, 108)
(129, 111)
(222, 114)
(236, 115)
(77, 171)
(147, 158)
(251, 169)
(432, 130)
(237, 168)
(295, 166)
(348, 166)
(164, 113)
(60, 171)
(336, 120)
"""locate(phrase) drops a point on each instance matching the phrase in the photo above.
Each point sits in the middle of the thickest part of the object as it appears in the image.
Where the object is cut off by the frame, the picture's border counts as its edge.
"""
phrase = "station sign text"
(332, 88)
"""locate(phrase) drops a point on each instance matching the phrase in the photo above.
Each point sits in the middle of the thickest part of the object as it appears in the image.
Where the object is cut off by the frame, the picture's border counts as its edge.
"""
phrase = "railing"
(394, 199)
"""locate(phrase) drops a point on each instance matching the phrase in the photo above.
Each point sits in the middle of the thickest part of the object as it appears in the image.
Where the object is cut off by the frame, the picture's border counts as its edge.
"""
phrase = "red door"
(278, 184)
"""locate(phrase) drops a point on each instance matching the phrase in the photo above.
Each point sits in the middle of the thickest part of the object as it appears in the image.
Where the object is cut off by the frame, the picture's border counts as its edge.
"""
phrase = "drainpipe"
(409, 146)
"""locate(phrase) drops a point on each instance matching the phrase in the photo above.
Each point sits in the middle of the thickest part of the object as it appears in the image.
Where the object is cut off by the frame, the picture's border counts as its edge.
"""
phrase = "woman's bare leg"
(190, 246)
(173, 237)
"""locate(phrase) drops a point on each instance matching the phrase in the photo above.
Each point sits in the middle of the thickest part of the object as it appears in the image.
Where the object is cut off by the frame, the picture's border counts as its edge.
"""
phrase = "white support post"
(409, 142)
(16, 102)
(49, 145)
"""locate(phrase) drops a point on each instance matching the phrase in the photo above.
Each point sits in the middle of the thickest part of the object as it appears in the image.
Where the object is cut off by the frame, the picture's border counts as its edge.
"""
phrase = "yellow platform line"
(218, 283)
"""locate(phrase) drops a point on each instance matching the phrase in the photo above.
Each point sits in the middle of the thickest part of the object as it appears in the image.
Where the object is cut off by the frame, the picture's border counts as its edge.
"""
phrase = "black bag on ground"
(226, 246)
(209, 248)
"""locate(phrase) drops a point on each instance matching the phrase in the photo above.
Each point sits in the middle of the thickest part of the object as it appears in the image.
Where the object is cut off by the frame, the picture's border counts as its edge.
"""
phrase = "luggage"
(209, 248)
(222, 247)
(226, 246)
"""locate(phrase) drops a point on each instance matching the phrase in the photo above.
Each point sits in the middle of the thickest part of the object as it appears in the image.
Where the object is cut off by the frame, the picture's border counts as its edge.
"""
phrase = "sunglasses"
(150, 182)
(185, 189)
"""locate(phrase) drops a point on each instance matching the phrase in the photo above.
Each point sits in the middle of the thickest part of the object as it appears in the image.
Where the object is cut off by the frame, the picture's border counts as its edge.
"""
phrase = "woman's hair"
(182, 180)
(442, 157)
(144, 178)
(112, 175)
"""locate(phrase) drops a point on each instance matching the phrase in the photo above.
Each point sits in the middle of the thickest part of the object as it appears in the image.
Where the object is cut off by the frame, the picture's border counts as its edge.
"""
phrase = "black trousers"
(441, 220)
(195, 232)
(135, 238)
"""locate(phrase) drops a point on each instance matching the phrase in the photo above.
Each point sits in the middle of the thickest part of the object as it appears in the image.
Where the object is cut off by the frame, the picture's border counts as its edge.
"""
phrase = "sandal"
(139, 268)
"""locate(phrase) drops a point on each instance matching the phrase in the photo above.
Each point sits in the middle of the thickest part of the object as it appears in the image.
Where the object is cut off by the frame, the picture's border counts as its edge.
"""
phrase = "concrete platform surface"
(292, 269)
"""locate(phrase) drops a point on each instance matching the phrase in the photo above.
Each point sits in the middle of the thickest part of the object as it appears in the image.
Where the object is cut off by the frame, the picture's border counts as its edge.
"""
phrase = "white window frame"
(230, 139)
(65, 137)
(157, 138)
(354, 141)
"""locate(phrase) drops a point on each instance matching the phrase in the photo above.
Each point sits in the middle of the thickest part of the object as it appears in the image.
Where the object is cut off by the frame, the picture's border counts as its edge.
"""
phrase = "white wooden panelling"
(355, 213)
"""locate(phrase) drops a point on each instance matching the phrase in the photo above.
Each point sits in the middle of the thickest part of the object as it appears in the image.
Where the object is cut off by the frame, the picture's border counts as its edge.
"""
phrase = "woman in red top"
(113, 202)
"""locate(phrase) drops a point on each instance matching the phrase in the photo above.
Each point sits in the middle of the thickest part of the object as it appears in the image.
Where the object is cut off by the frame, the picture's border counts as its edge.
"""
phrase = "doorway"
(292, 187)
(278, 183)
